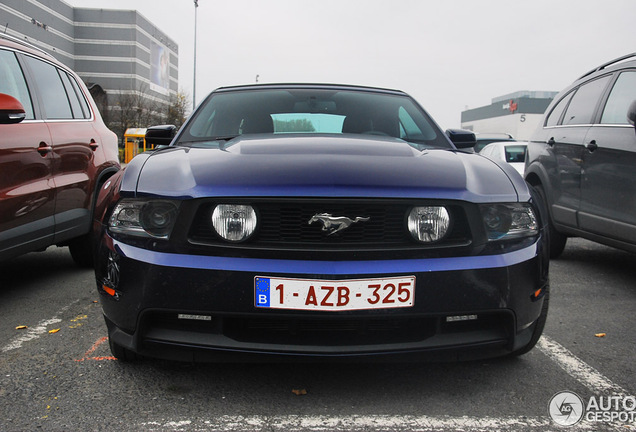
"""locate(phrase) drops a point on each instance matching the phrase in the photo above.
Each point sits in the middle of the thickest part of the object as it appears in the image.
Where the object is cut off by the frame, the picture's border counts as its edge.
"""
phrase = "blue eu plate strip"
(262, 292)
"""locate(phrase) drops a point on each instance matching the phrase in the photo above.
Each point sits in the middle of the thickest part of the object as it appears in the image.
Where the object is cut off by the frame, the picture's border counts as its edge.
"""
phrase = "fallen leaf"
(299, 392)
(600, 334)
(54, 331)
(21, 327)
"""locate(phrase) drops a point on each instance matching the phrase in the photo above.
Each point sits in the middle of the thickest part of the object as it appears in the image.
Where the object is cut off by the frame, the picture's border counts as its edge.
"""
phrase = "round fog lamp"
(234, 223)
(428, 224)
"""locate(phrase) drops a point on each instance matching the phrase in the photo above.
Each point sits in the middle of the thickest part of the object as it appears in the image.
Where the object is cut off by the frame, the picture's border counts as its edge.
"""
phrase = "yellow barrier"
(135, 143)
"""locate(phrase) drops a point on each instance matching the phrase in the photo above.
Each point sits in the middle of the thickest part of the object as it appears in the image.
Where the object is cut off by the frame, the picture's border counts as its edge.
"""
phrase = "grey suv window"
(581, 108)
(555, 115)
(12, 81)
(622, 95)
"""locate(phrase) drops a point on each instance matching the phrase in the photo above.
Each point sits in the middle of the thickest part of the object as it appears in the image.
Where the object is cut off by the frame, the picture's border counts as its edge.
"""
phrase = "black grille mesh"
(287, 224)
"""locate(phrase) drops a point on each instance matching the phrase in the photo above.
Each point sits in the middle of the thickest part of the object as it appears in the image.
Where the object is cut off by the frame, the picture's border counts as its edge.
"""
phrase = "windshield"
(228, 114)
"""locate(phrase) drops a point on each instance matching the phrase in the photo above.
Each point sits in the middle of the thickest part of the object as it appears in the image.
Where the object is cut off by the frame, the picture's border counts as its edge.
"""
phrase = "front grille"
(286, 225)
(289, 223)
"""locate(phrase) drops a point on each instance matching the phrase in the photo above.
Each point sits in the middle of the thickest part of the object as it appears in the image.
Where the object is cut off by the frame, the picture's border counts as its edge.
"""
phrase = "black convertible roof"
(282, 86)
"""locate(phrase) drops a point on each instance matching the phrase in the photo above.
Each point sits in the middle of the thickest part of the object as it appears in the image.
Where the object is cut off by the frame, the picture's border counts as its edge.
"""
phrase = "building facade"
(517, 114)
(121, 56)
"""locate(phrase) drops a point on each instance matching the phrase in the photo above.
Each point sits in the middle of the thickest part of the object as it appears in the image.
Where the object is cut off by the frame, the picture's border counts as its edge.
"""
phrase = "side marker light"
(111, 292)
(537, 294)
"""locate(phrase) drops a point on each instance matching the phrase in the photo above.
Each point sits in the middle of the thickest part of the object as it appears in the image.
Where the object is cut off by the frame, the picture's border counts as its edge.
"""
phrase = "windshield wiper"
(210, 139)
(225, 137)
(220, 139)
(423, 144)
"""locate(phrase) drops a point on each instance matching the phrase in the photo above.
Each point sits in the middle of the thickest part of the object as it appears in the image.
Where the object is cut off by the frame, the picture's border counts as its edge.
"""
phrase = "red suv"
(55, 154)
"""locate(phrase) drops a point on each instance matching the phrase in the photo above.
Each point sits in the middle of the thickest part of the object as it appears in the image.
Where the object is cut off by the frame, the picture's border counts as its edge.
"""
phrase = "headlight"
(505, 221)
(144, 218)
(234, 223)
(428, 224)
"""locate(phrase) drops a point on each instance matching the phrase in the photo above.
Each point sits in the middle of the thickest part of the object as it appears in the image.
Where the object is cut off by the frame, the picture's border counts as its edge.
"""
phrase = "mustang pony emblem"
(333, 224)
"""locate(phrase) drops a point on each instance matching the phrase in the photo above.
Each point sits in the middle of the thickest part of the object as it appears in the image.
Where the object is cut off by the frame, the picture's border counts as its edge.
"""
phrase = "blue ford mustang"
(320, 222)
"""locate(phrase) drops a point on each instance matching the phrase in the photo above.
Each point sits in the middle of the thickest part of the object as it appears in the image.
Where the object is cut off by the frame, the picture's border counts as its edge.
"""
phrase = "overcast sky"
(449, 54)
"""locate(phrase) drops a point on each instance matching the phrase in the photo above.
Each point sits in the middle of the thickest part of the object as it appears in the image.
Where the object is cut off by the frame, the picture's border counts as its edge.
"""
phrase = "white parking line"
(572, 365)
(35, 332)
(578, 369)
(357, 423)
(565, 359)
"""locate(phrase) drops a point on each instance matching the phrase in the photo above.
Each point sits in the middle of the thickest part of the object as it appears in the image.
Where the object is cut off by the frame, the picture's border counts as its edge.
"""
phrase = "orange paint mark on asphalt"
(87, 354)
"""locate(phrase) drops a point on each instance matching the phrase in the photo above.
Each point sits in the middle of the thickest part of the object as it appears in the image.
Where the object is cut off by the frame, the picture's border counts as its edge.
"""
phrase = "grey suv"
(582, 158)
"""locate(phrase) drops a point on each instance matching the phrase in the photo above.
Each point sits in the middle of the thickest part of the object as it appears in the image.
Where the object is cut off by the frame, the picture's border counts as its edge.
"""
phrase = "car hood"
(325, 166)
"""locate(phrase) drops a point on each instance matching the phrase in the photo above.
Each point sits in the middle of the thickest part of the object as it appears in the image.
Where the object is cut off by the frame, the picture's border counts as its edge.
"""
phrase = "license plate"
(330, 295)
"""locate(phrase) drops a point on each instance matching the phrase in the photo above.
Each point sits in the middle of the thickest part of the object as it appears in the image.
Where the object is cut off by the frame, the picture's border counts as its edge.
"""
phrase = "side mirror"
(11, 110)
(160, 135)
(631, 113)
(461, 138)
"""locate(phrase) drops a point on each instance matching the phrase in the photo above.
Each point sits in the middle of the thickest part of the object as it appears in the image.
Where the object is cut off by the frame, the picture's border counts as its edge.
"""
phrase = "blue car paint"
(350, 268)
(344, 167)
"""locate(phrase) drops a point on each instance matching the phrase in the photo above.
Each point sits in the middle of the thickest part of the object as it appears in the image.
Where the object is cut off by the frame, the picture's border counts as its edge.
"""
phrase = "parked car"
(55, 153)
(582, 158)
(483, 139)
(322, 222)
(512, 152)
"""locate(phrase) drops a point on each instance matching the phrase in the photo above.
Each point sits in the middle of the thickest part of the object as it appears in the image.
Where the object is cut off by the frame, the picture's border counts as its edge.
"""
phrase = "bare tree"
(178, 109)
(134, 110)
(138, 109)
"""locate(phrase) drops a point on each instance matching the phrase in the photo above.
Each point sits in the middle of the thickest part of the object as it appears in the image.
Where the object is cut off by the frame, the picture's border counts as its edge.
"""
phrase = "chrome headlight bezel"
(506, 221)
(148, 218)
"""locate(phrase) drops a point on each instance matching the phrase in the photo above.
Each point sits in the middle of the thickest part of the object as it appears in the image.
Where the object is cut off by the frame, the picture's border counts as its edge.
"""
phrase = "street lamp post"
(194, 80)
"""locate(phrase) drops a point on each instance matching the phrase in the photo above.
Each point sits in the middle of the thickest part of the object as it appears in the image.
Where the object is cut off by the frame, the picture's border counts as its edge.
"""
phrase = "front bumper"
(192, 307)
